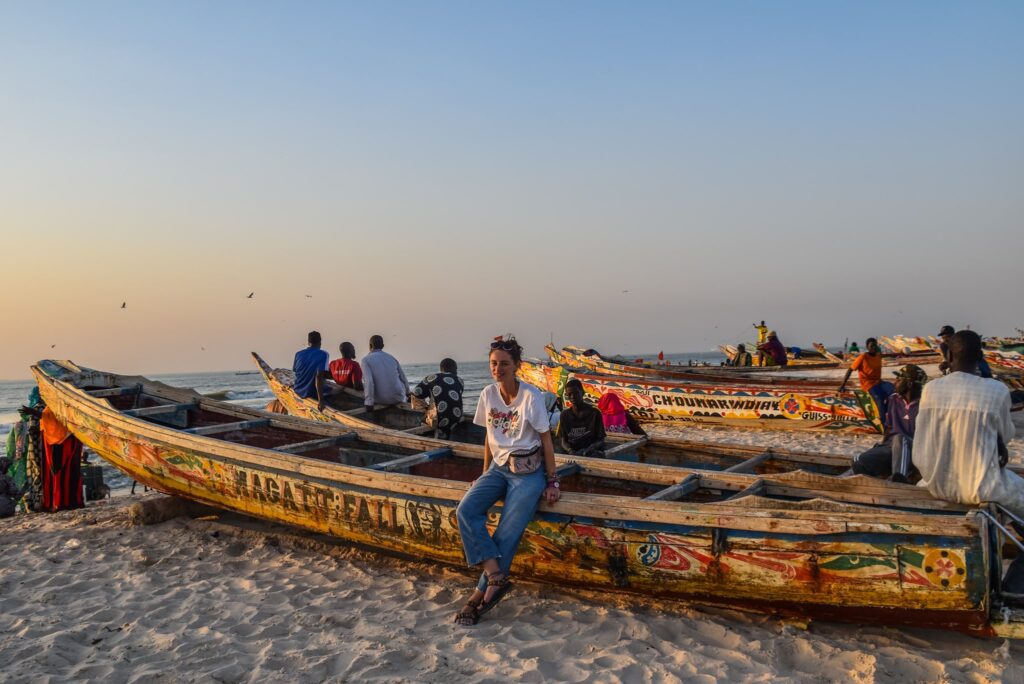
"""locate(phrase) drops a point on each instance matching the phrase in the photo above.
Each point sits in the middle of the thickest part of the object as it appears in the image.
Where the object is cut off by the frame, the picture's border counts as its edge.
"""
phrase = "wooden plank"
(750, 464)
(115, 392)
(162, 408)
(418, 430)
(620, 448)
(228, 427)
(354, 412)
(756, 488)
(413, 459)
(567, 469)
(676, 491)
(314, 444)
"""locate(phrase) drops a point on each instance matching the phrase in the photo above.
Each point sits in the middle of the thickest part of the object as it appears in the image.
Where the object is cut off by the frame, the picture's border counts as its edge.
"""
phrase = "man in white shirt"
(384, 382)
(963, 427)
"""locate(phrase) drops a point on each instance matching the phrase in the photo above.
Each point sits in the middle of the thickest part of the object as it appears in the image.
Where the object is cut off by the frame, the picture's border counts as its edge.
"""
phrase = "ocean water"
(248, 389)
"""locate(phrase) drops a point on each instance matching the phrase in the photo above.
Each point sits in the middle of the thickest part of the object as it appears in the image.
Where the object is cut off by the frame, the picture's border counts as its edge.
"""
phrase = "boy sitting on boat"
(580, 427)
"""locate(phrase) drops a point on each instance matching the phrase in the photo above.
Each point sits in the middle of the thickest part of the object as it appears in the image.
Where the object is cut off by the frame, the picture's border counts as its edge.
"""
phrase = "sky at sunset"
(627, 176)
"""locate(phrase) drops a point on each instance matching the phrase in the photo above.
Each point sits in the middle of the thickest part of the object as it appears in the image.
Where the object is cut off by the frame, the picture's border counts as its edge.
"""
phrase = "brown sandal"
(470, 613)
(501, 581)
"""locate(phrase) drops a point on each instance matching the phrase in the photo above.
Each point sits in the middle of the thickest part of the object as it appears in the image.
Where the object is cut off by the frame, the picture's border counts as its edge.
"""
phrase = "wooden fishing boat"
(838, 548)
(891, 359)
(1004, 360)
(786, 407)
(346, 406)
(1008, 344)
(591, 360)
(908, 345)
(809, 359)
(653, 449)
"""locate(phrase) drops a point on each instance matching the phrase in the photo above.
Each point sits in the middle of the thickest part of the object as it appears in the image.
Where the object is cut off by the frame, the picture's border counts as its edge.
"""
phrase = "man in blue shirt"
(311, 367)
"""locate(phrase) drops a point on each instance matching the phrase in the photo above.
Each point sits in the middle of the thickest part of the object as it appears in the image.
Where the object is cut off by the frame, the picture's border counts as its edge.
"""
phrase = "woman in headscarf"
(615, 416)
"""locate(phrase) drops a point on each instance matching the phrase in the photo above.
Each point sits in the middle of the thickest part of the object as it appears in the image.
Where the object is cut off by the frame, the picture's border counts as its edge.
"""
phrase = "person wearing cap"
(893, 455)
(869, 372)
(773, 350)
(983, 369)
(944, 334)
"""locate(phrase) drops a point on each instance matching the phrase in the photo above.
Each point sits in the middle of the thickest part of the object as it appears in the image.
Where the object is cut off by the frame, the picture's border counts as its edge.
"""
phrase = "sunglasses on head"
(506, 345)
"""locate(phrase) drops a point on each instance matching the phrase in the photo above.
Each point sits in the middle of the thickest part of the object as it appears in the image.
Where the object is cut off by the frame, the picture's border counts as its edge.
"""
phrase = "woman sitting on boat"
(615, 416)
(519, 467)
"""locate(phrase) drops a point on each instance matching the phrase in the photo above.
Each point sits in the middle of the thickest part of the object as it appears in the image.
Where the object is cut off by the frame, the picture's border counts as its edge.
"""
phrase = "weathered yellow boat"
(839, 548)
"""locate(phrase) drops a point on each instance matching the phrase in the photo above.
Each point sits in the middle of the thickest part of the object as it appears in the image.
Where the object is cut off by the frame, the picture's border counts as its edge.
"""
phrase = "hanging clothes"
(61, 467)
(19, 437)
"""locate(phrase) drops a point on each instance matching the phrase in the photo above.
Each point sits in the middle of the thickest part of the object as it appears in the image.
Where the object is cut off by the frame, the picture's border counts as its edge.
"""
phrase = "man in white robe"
(962, 429)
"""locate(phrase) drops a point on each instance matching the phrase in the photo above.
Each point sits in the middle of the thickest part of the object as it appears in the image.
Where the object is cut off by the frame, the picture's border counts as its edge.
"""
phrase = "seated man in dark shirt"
(893, 455)
(580, 428)
(445, 391)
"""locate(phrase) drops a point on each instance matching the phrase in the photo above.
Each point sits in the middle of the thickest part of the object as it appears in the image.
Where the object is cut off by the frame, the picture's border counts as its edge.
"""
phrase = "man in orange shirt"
(869, 372)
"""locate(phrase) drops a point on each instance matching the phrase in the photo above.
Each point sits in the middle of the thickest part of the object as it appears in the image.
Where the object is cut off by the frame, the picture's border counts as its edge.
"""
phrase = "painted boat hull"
(818, 558)
(784, 407)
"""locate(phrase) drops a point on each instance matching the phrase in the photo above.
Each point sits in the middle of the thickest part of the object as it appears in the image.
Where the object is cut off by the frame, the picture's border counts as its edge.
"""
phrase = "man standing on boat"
(963, 427)
(384, 382)
(869, 372)
(762, 337)
(311, 367)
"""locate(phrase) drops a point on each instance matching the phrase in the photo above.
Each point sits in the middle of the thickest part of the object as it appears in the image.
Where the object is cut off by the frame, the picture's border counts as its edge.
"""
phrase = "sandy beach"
(88, 596)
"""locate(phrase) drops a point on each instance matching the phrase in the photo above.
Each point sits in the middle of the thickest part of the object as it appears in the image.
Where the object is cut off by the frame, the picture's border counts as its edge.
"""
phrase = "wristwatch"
(554, 483)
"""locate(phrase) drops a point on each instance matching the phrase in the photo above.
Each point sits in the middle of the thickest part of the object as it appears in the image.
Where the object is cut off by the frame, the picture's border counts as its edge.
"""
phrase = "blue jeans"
(521, 494)
(881, 393)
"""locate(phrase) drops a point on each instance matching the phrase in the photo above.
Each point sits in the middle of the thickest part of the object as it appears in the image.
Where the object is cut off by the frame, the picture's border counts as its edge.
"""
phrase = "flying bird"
(625, 292)
(250, 295)
(124, 304)
(309, 296)
(52, 346)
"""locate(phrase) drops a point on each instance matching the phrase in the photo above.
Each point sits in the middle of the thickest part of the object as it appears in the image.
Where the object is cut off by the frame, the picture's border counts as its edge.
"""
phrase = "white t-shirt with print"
(515, 426)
